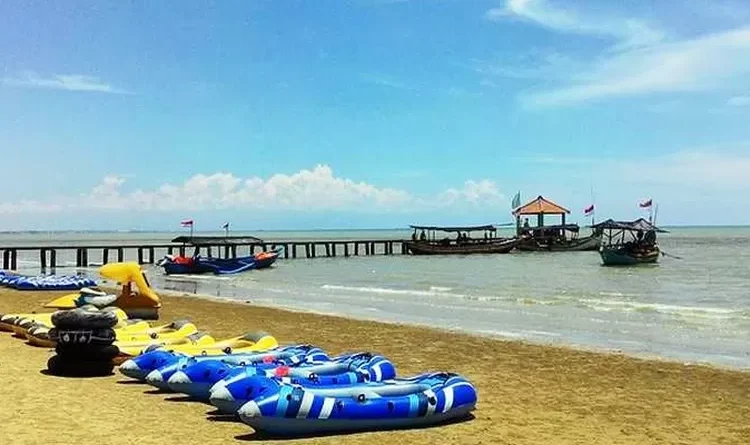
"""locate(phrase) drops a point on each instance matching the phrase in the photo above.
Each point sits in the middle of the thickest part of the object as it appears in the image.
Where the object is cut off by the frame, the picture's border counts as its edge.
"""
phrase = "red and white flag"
(186, 223)
(646, 204)
(589, 210)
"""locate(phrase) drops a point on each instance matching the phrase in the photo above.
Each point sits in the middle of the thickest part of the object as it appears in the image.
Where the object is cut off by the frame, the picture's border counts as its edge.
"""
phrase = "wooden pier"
(213, 247)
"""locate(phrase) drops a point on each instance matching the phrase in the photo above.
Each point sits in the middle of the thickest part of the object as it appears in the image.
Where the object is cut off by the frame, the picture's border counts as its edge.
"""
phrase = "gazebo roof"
(539, 206)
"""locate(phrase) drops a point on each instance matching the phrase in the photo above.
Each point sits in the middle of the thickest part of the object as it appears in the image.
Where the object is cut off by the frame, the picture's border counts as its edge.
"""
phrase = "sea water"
(695, 308)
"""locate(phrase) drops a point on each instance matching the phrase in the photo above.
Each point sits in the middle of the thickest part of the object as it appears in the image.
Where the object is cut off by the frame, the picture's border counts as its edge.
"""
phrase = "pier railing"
(50, 256)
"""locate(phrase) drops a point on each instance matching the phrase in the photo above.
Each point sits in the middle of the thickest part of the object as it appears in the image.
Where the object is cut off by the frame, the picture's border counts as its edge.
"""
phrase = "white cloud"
(705, 63)
(739, 101)
(627, 32)
(473, 192)
(317, 189)
(69, 82)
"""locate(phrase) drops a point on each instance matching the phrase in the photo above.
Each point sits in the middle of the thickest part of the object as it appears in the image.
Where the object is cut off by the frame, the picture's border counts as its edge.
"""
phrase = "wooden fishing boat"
(428, 242)
(628, 243)
(550, 238)
(555, 239)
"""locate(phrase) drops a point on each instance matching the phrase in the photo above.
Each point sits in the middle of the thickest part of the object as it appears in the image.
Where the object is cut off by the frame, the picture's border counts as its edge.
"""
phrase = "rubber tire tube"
(84, 319)
(100, 337)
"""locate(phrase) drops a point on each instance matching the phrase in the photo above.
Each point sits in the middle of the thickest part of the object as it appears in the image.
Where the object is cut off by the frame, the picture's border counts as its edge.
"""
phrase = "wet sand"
(528, 394)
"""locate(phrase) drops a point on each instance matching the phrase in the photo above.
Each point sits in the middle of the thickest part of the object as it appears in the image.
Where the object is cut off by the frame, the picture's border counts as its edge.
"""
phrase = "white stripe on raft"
(378, 373)
(325, 411)
(448, 391)
(304, 407)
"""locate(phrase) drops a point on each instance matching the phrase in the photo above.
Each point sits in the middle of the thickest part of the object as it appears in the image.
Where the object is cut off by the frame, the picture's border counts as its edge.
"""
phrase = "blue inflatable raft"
(283, 409)
(198, 379)
(45, 282)
(234, 390)
(289, 355)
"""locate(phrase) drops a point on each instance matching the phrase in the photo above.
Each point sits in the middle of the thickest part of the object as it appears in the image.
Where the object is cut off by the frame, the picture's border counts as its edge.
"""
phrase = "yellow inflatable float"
(136, 332)
(243, 343)
(136, 298)
(202, 344)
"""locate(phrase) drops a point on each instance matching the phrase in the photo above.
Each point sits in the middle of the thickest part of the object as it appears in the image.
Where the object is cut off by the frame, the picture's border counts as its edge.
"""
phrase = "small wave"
(440, 289)
(432, 292)
(689, 311)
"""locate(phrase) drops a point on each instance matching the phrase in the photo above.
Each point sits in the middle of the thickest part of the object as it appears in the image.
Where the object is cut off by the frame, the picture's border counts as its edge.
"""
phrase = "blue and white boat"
(284, 409)
(198, 379)
(235, 389)
(220, 266)
(289, 355)
(45, 282)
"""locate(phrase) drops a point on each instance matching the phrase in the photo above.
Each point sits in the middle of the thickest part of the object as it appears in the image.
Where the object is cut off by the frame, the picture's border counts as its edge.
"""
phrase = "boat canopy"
(456, 229)
(216, 240)
(639, 224)
(540, 206)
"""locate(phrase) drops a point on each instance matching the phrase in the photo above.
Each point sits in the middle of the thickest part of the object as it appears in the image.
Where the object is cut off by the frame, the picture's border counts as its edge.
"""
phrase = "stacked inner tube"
(84, 343)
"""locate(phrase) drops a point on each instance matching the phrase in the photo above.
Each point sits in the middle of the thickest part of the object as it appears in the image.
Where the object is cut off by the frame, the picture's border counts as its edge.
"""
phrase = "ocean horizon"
(319, 229)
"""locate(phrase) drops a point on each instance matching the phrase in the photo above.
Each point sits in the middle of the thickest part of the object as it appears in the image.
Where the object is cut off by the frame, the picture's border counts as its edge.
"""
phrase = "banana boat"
(136, 298)
(135, 348)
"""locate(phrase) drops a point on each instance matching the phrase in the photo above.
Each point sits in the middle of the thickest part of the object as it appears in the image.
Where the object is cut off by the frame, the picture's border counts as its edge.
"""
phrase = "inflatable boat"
(45, 282)
(159, 357)
(282, 409)
(197, 380)
(219, 266)
(234, 390)
(269, 359)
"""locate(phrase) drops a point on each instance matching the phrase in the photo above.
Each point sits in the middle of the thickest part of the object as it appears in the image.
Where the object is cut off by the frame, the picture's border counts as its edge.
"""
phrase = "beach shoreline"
(528, 393)
(457, 331)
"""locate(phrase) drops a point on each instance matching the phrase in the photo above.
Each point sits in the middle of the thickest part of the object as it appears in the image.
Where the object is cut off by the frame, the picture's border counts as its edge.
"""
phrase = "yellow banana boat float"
(244, 343)
(203, 344)
(134, 348)
(136, 298)
(127, 331)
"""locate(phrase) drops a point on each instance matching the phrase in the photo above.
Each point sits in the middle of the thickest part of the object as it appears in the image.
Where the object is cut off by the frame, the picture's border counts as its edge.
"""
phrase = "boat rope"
(670, 255)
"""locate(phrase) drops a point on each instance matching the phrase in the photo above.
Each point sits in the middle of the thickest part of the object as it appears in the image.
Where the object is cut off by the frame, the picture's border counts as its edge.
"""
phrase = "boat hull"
(221, 266)
(426, 248)
(589, 243)
(623, 257)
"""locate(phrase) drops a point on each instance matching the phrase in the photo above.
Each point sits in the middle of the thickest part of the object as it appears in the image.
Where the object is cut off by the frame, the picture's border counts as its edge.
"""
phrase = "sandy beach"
(528, 394)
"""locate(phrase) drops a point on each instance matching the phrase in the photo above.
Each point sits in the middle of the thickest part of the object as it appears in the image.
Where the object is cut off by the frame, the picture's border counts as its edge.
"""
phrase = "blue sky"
(370, 113)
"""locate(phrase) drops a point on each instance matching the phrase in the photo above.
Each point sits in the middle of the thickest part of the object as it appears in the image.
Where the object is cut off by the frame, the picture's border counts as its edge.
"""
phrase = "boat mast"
(593, 214)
